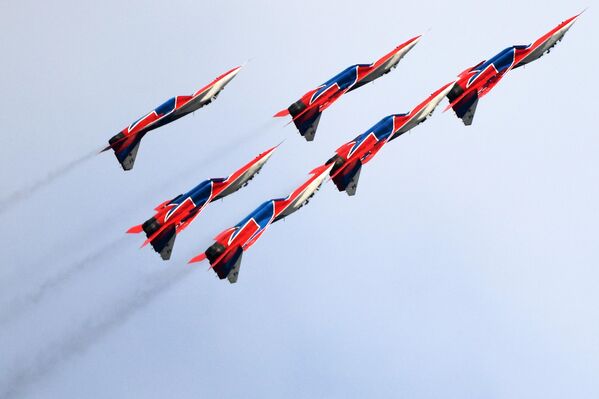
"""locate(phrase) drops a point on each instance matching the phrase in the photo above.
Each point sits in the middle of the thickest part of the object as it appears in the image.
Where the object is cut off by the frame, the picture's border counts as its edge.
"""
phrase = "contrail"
(82, 337)
(20, 305)
(90, 332)
(26, 192)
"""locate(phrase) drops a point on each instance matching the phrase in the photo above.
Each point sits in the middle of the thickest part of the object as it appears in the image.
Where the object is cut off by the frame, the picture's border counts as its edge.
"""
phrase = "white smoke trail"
(27, 191)
(18, 306)
(89, 332)
(36, 295)
(81, 337)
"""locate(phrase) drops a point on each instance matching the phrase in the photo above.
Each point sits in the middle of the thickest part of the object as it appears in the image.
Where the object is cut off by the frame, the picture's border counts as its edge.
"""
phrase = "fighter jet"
(174, 215)
(349, 158)
(475, 82)
(307, 110)
(225, 254)
(126, 143)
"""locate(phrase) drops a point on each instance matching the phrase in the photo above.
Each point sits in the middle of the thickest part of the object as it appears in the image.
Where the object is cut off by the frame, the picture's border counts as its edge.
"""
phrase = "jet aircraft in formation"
(225, 254)
(477, 81)
(173, 216)
(344, 168)
(307, 110)
(349, 158)
(126, 143)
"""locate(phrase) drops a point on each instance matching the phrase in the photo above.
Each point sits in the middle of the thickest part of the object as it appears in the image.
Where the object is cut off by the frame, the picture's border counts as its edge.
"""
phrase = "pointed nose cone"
(407, 46)
(268, 153)
(228, 76)
(557, 33)
(233, 72)
(265, 156)
(573, 19)
(562, 28)
(416, 40)
(567, 24)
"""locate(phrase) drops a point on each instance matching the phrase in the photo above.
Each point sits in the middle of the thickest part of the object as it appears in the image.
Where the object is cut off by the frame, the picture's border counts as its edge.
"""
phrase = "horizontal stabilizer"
(159, 207)
(281, 113)
(198, 258)
(135, 229)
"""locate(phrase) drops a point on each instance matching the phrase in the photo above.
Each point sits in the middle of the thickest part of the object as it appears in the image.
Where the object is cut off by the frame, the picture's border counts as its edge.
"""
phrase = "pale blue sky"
(465, 266)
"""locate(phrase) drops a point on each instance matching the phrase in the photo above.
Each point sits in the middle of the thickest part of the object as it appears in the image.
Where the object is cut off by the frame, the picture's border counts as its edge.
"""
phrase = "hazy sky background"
(466, 265)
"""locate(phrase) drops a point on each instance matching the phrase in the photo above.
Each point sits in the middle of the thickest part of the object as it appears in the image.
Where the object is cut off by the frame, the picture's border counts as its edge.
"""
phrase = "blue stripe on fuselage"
(382, 131)
(500, 62)
(261, 215)
(344, 80)
(199, 194)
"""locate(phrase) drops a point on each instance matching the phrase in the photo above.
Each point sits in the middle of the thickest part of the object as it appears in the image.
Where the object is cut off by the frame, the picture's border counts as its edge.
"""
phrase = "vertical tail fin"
(226, 264)
(163, 243)
(161, 237)
(125, 149)
(463, 104)
(346, 178)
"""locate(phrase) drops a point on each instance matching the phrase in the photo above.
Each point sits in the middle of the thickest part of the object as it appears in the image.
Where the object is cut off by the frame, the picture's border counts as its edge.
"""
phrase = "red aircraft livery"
(307, 110)
(475, 82)
(225, 254)
(126, 143)
(173, 216)
(349, 158)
